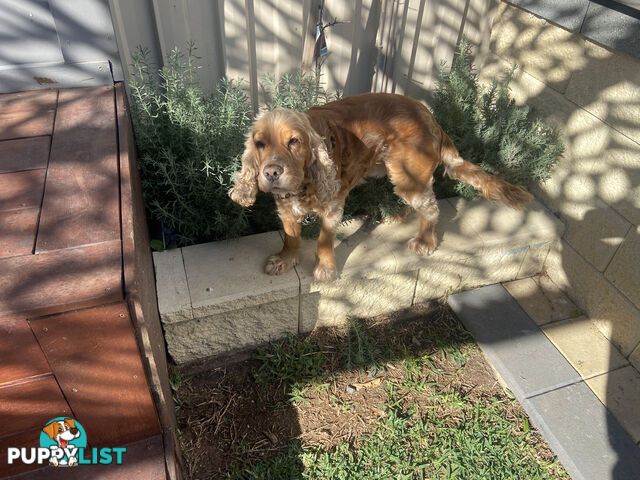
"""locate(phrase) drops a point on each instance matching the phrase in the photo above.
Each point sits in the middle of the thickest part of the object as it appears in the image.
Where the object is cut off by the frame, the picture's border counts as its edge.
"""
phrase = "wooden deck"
(70, 310)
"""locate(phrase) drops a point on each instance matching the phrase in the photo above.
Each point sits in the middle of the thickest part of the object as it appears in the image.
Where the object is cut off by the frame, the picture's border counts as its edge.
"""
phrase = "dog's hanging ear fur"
(245, 188)
(322, 171)
(51, 429)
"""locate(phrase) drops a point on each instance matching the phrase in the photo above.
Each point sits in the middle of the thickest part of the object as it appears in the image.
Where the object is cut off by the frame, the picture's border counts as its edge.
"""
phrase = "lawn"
(407, 395)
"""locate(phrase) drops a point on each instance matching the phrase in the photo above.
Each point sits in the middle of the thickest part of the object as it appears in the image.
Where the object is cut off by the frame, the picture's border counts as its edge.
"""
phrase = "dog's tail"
(489, 186)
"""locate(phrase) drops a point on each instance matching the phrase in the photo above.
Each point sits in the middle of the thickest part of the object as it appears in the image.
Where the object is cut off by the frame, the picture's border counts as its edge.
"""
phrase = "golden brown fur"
(312, 160)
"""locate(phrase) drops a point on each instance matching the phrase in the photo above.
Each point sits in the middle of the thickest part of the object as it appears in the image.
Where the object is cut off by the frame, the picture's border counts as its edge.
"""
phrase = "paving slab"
(589, 441)
(594, 230)
(494, 223)
(512, 342)
(623, 271)
(587, 438)
(359, 249)
(174, 302)
(479, 244)
(619, 390)
(224, 276)
(634, 358)
(535, 258)
(455, 243)
(543, 301)
(330, 304)
(584, 346)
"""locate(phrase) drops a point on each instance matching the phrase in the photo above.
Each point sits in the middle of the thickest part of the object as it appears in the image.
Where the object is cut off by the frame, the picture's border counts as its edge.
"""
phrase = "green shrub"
(296, 91)
(490, 130)
(188, 147)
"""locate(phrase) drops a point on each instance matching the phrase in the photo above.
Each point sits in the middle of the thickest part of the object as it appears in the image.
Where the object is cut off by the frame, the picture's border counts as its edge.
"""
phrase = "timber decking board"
(21, 189)
(95, 358)
(20, 353)
(26, 439)
(31, 404)
(53, 282)
(24, 154)
(18, 232)
(27, 114)
(81, 198)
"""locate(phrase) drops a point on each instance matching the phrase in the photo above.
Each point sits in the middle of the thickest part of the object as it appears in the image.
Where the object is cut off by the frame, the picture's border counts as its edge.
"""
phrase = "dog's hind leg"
(411, 173)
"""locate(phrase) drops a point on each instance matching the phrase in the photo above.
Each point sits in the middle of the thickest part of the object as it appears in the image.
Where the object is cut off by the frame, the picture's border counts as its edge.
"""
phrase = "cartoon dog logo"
(63, 431)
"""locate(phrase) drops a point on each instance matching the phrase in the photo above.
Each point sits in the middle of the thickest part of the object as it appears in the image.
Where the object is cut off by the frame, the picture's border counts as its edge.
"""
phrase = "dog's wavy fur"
(324, 152)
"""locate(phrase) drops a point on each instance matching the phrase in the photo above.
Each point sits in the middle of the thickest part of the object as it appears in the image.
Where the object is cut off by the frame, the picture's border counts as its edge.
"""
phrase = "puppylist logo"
(63, 443)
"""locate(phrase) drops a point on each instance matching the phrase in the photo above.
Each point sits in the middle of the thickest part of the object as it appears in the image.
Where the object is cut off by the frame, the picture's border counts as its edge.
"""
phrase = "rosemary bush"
(490, 130)
(188, 147)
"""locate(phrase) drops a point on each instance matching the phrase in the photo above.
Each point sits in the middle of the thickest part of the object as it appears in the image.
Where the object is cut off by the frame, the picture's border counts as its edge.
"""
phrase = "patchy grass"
(407, 395)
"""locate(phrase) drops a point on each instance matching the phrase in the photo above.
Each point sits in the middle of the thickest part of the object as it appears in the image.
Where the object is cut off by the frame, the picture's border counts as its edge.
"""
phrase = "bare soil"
(226, 419)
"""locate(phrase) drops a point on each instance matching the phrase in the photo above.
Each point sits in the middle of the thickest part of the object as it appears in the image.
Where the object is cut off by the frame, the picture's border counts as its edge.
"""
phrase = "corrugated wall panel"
(379, 45)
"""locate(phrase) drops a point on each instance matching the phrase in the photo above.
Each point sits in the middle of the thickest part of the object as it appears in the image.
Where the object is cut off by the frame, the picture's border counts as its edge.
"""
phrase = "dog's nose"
(272, 172)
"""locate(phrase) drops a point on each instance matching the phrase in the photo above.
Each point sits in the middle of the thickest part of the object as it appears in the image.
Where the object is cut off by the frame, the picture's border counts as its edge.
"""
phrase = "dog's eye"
(60, 429)
(293, 141)
(259, 145)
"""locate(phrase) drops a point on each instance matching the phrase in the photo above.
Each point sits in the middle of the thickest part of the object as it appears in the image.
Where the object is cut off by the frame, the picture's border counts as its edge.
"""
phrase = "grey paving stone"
(588, 440)
(512, 342)
(616, 29)
(566, 13)
(174, 301)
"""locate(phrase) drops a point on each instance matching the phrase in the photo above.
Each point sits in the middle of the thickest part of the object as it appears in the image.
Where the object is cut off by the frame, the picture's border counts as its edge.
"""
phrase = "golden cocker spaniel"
(310, 162)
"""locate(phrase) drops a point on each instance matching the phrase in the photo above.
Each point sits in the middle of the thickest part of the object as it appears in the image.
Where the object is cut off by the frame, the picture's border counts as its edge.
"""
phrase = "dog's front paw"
(421, 247)
(73, 462)
(325, 273)
(242, 196)
(277, 265)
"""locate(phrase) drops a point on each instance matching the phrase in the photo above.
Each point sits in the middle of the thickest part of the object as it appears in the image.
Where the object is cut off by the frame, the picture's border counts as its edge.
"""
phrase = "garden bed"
(402, 394)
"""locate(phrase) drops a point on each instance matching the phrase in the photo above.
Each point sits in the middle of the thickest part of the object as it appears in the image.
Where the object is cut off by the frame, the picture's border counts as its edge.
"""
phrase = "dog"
(62, 431)
(311, 160)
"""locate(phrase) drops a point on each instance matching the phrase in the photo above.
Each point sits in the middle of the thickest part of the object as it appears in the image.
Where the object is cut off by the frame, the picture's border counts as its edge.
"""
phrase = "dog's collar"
(286, 195)
(301, 193)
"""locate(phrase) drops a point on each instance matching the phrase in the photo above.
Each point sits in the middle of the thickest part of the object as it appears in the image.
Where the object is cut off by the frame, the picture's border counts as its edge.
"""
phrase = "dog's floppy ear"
(71, 422)
(322, 171)
(245, 188)
(51, 429)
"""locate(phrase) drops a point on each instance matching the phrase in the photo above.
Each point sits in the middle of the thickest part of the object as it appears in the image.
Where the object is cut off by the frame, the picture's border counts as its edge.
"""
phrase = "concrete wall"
(593, 94)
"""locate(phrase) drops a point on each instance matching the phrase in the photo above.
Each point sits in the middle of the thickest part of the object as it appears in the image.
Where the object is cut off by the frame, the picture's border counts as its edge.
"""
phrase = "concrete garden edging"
(215, 300)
